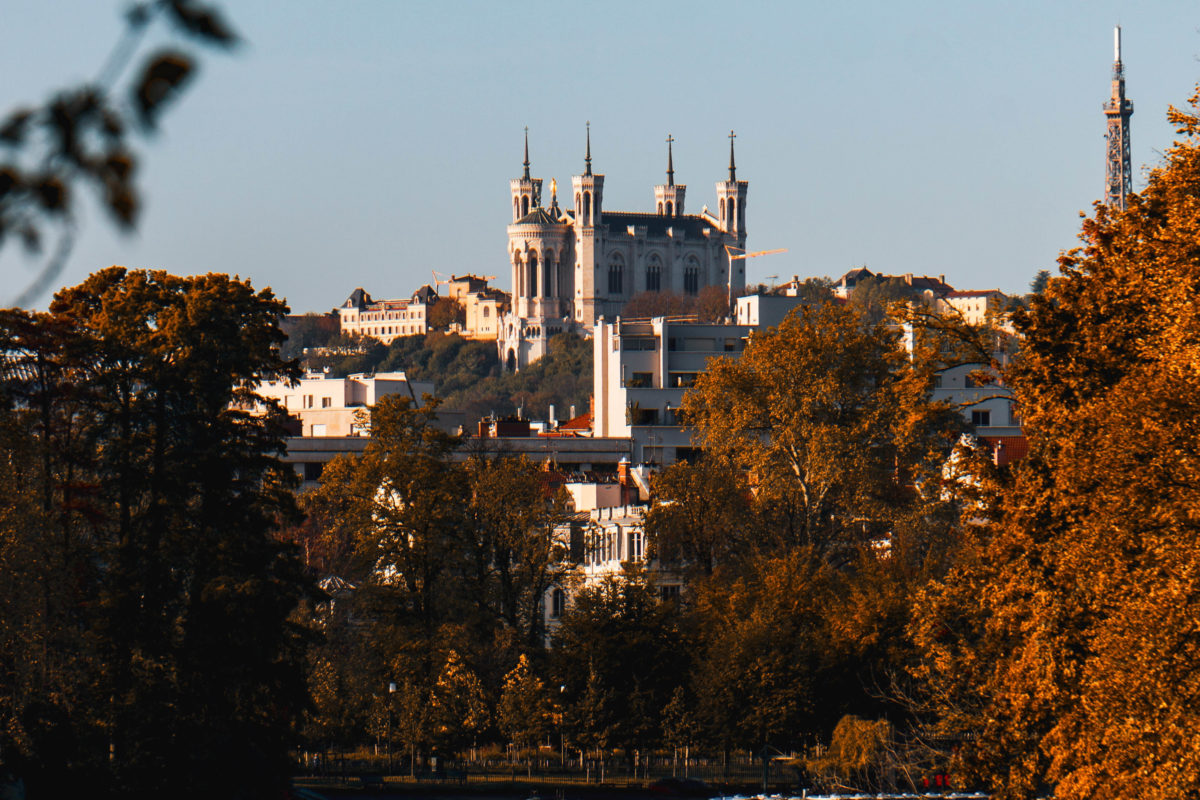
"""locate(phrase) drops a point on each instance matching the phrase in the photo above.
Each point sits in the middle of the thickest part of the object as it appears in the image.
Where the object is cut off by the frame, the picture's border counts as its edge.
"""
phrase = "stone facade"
(571, 266)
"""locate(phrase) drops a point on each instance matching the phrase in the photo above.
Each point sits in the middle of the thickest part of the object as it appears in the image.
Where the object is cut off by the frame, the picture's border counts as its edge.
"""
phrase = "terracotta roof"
(1006, 449)
(581, 423)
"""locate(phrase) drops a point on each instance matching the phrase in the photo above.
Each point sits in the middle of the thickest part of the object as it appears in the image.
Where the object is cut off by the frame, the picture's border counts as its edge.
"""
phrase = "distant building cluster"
(574, 268)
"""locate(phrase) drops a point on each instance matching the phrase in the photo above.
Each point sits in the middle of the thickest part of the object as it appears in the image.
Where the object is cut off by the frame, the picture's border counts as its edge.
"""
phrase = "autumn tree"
(701, 515)
(619, 655)
(158, 493)
(524, 711)
(833, 424)
(1063, 648)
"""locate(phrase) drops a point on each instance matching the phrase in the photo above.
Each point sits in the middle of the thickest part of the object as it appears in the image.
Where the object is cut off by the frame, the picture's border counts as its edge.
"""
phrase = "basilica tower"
(668, 197)
(589, 202)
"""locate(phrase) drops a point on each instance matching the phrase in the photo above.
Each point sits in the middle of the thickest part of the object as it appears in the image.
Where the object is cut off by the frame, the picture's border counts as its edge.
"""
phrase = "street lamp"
(391, 691)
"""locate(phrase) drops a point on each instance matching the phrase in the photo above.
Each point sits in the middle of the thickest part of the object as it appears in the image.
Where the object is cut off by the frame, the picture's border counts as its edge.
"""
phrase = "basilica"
(573, 265)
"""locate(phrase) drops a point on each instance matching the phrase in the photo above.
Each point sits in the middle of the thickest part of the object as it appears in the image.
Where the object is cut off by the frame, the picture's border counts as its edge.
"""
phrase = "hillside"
(467, 374)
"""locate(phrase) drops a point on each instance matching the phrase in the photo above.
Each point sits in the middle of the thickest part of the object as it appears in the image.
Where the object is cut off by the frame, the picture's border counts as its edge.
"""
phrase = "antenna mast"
(1118, 178)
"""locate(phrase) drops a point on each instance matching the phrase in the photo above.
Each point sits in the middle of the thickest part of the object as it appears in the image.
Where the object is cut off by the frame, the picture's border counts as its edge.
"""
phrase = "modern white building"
(641, 369)
(976, 307)
(326, 406)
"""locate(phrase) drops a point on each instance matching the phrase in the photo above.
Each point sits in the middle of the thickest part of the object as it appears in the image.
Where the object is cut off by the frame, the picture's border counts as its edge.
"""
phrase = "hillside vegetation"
(467, 375)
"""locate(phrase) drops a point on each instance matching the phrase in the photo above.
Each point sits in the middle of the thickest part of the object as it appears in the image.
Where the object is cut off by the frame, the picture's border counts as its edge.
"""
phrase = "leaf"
(122, 203)
(31, 239)
(204, 22)
(14, 128)
(164, 75)
(51, 193)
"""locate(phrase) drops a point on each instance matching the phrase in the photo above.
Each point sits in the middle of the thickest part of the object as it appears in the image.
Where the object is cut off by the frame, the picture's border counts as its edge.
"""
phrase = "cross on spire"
(732, 166)
(670, 162)
(526, 152)
(587, 159)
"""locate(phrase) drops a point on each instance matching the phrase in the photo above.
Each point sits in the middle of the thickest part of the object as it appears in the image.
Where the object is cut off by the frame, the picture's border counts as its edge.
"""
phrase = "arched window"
(670, 209)
(487, 312)
(654, 274)
(524, 206)
(691, 277)
(660, 208)
(558, 603)
(616, 275)
(722, 209)
(547, 274)
(516, 208)
(587, 208)
(533, 271)
(732, 213)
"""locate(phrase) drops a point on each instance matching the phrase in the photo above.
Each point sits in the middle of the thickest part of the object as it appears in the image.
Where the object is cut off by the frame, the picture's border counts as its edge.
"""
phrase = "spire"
(1118, 178)
(587, 159)
(526, 152)
(670, 162)
(732, 165)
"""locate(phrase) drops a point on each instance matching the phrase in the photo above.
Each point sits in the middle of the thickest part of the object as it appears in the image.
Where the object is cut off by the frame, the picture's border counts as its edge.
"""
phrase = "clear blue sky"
(366, 143)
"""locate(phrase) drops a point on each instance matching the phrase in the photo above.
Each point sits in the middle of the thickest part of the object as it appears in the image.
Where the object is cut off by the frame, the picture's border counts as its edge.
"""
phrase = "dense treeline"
(145, 641)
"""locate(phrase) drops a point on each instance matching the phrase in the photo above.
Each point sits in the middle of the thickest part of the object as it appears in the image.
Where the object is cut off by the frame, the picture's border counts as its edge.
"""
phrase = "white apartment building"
(328, 406)
(976, 307)
(641, 369)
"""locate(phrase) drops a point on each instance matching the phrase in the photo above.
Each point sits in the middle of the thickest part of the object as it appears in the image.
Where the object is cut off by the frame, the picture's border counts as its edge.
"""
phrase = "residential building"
(975, 307)
(326, 406)
(386, 320)
(572, 265)
(640, 371)
(928, 287)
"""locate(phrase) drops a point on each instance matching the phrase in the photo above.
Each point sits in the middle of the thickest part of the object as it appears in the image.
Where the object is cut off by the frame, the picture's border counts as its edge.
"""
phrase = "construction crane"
(737, 254)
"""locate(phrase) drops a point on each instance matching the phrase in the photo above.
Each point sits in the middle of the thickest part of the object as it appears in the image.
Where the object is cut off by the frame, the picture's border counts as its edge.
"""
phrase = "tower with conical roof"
(526, 192)
(588, 189)
(1118, 176)
(668, 197)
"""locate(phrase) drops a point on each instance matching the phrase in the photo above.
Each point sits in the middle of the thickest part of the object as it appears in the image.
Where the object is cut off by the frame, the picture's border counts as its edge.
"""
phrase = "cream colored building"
(385, 320)
(571, 265)
(336, 406)
(976, 307)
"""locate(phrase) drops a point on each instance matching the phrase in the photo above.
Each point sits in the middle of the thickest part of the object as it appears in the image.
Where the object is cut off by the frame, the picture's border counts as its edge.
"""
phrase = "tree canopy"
(144, 581)
(1064, 643)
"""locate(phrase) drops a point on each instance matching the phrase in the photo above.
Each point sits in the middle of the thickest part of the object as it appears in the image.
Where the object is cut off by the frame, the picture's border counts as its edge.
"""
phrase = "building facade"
(385, 320)
(572, 265)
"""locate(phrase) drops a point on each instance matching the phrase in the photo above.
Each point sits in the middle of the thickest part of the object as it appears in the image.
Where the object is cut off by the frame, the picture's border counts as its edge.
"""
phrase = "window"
(326, 402)
(654, 275)
(981, 418)
(616, 277)
(313, 470)
(636, 541)
(308, 401)
(487, 312)
(691, 279)
(669, 594)
(558, 603)
(682, 380)
(641, 380)
(318, 430)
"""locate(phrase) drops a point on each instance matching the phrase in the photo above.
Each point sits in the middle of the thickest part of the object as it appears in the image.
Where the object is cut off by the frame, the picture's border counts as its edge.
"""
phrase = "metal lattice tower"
(1118, 178)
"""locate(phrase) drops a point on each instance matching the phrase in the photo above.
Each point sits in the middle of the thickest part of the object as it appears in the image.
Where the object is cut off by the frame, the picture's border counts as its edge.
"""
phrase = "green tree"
(524, 712)
(1063, 645)
(166, 499)
(619, 654)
